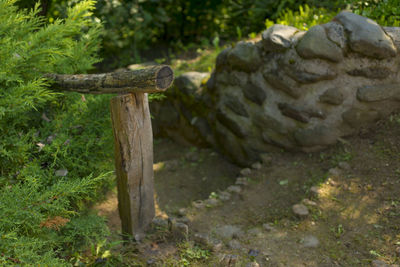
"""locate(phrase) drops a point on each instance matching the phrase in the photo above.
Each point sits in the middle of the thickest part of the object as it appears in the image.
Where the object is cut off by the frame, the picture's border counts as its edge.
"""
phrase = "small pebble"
(268, 227)
(253, 252)
(252, 264)
(245, 171)
(234, 244)
(229, 260)
(224, 196)
(335, 172)
(300, 210)
(309, 202)
(234, 189)
(310, 241)
(182, 211)
(160, 222)
(202, 239)
(256, 166)
(198, 204)
(211, 202)
(379, 263)
(344, 165)
(315, 191)
(184, 220)
(151, 262)
(180, 231)
(266, 158)
(241, 181)
(398, 251)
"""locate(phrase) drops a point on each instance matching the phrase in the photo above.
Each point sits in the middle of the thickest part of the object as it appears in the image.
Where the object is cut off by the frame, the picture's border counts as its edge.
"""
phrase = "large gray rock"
(381, 92)
(234, 104)
(244, 56)
(236, 125)
(278, 37)
(254, 93)
(357, 117)
(335, 33)
(308, 71)
(366, 36)
(315, 44)
(188, 83)
(281, 81)
(394, 33)
(317, 136)
(371, 72)
(332, 96)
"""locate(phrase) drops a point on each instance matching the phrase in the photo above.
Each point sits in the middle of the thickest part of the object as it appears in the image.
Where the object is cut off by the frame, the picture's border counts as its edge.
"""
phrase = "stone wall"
(293, 90)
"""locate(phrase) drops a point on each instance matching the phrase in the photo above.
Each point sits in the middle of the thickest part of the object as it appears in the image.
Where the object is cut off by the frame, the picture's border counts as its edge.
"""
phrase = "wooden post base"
(134, 161)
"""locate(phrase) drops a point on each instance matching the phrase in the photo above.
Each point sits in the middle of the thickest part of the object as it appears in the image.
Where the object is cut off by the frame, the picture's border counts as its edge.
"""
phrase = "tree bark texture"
(134, 161)
(149, 80)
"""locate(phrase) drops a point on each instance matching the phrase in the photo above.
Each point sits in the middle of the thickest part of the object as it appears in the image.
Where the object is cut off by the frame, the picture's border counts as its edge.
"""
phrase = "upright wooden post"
(132, 134)
(134, 161)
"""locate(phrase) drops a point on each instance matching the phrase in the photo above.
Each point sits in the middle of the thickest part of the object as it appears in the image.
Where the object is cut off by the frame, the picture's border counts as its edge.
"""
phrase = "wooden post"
(134, 161)
(132, 135)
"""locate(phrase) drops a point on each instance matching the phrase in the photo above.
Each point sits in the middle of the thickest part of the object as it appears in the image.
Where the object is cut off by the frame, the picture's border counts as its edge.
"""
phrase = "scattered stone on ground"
(182, 211)
(180, 231)
(229, 231)
(211, 202)
(268, 227)
(398, 251)
(234, 244)
(201, 238)
(224, 196)
(245, 171)
(252, 264)
(334, 172)
(308, 202)
(300, 210)
(344, 165)
(198, 204)
(310, 241)
(184, 220)
(266, 158)
(256, 166)
(241, 181)
(234, 189)
(228, 260)
(379, 263)
(315, 191)
(255, 232)
(160, 222)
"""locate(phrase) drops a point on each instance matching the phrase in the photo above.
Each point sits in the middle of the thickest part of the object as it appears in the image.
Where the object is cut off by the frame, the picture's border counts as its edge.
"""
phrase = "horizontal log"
(149, 80)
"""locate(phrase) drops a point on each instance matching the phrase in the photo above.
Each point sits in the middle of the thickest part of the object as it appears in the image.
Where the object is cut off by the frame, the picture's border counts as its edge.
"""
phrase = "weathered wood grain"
(148, 80)
(134, 161)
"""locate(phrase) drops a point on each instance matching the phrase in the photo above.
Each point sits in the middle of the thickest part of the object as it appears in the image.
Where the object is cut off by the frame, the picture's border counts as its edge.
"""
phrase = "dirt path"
(351, 192)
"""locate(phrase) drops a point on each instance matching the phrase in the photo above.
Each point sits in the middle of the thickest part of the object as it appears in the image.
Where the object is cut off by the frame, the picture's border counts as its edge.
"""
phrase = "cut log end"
(164, 78)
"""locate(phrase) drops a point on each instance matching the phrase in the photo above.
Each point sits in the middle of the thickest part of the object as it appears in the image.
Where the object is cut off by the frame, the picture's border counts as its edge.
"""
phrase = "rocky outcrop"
(293, 90)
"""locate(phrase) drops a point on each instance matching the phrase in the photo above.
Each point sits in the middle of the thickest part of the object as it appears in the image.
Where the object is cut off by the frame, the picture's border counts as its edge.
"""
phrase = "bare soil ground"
(353, 220)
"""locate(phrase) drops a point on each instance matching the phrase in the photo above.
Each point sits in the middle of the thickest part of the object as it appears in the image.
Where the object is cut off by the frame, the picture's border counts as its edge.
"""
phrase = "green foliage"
(43, 218)
(304, 18)
(386, 13)
(190, 255)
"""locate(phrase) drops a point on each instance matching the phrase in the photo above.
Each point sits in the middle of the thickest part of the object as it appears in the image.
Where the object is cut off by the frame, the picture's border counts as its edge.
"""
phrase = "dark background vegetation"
(42, 132)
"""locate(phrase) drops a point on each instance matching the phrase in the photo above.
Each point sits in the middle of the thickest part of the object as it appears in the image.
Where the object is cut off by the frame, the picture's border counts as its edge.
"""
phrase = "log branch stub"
(149, 80)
